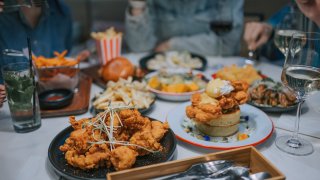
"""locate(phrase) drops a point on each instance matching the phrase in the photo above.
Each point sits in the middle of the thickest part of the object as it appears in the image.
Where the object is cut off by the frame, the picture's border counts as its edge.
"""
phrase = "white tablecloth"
(24, 156)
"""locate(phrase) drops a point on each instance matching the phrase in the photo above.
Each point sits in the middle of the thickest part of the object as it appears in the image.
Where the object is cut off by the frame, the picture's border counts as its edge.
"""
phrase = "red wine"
(221, 27)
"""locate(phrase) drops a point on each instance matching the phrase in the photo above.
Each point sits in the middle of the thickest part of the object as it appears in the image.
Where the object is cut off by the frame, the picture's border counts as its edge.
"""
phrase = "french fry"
(108, 33)
(58, 60)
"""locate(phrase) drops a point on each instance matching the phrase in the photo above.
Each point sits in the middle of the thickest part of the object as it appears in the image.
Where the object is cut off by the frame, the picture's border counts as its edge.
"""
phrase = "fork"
(202, 169)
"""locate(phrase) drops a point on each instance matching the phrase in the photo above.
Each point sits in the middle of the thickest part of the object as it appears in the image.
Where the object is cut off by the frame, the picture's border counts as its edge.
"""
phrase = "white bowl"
(174, 96)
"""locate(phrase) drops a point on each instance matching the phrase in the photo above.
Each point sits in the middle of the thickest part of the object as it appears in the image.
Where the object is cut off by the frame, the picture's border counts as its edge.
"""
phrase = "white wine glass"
(290, 24)
(301, 74)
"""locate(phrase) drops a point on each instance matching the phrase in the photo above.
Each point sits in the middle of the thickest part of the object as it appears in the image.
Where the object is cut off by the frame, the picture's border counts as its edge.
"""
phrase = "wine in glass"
(285, 29)
(301, 74)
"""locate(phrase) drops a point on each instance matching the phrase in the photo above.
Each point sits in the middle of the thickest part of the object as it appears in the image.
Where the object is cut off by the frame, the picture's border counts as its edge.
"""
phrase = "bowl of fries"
(108, 44)
(59, 72)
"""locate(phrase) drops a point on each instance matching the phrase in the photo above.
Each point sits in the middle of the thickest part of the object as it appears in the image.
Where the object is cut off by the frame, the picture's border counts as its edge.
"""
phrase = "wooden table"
(24, 156)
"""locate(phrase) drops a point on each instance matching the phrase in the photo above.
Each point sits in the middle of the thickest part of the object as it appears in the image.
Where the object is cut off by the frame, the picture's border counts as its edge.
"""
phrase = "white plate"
(175, 96)
(260, 128)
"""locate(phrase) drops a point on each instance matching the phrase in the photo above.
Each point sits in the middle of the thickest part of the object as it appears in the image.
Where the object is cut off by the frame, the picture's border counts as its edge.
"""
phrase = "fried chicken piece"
(204, 112)
(123, 136)
(146, 140)
(196, 99)
(240, 85)
(78, 124)
(78, 141)
(241, 97)
(96, 156)
(227, 103)
(158, 129)
(123, 158)
(133, 120)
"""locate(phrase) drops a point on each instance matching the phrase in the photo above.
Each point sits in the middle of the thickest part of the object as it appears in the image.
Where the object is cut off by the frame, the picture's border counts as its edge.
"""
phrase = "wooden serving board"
(93, 73)
(246, 156)
(80, 102)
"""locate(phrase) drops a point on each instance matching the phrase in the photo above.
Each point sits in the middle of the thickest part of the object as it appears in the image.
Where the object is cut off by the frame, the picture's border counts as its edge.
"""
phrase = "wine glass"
(222, 23)
(292, 23)
(301, 74)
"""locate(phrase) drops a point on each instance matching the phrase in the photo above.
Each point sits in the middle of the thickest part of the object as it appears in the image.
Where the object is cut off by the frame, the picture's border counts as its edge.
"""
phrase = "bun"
(225, 125)
(117, 68)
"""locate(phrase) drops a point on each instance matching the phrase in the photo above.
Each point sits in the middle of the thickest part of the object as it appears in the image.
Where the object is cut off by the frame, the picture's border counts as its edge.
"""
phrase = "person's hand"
(1, 5)
(311, 9)
(256, 34)
(162, 47)
(2, 94)
(83, 55)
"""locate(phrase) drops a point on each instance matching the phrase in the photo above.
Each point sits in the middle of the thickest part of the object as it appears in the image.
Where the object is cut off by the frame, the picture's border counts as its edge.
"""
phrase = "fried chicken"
(77, 141)
(202, 112)
(112, 139)
(96, 156)
(133, 120)
(123, 158)
(204, 109)
(158, 129)
(146, 140)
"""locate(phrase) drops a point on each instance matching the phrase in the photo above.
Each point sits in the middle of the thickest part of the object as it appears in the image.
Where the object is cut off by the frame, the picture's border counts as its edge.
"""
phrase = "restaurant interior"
(159, 89)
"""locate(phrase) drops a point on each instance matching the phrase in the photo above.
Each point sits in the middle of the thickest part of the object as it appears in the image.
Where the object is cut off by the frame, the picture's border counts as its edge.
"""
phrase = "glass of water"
(301, 74)
(22, 96)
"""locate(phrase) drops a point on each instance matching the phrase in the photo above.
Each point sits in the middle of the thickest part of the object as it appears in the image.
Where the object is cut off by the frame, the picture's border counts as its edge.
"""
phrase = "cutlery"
(257, 176)
(251, 58)
(202, 169)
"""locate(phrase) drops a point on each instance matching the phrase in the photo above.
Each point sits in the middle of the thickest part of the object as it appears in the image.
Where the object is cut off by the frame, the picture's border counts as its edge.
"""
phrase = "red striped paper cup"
(108, 48)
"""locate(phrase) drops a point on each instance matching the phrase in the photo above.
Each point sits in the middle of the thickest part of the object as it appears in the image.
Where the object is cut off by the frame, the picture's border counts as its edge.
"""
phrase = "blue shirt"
(52, 33)
(186, 24)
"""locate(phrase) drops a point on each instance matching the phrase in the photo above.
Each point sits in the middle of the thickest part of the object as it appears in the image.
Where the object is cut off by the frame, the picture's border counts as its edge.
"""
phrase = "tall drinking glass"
(22, 96)
(301, 74)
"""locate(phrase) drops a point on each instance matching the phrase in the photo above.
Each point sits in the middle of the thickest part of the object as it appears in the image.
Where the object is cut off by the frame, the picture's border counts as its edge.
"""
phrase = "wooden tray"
(93, 73)
(246, 156)
(79, 104)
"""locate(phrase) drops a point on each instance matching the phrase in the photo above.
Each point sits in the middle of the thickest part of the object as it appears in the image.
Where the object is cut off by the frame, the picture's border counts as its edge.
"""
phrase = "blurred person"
(258, 34)
(48, 26)
(311, 9)
(163, 25)
(2, 95)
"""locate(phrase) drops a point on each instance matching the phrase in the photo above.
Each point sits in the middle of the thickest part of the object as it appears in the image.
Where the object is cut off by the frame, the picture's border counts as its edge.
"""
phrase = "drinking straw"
(33, 80)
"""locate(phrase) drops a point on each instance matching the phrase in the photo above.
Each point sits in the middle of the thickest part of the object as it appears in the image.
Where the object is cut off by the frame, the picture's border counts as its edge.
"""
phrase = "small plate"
(143, 61)
(55, 99)
(175, 96)
(255, 122)
(95, 111)
(274, 109)
(60, 165)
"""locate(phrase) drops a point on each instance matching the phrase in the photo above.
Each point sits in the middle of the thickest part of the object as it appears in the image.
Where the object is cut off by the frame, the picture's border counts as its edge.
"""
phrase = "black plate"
(60, 165)
(143, 61)
(65, 100)
(274, 109)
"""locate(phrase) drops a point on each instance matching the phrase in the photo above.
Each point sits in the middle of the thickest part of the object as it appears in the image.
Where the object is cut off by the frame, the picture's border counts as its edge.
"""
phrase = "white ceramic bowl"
(174, 96)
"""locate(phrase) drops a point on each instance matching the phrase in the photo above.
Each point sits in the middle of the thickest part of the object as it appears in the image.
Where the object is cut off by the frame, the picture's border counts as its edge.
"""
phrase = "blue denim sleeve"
(277, 17)
(211, 43)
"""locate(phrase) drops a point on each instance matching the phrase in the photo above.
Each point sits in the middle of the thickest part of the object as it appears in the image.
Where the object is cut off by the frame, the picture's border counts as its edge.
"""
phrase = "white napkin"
(310, 118)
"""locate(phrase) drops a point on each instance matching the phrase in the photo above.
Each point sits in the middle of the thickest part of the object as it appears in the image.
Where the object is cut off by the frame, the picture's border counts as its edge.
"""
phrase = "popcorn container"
(108, 48)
